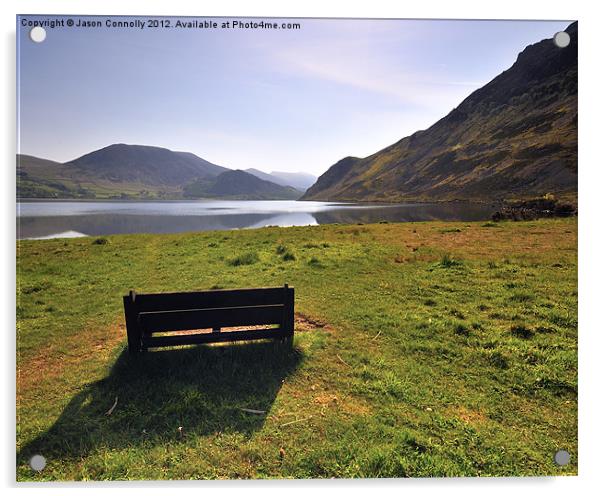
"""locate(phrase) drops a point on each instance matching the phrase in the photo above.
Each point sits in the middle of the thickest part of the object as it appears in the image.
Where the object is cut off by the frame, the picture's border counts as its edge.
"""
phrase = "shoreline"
(201, 200)
(481, 223)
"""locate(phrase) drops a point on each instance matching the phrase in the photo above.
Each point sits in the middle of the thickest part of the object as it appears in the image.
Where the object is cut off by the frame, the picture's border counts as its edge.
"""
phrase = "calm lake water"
(38, 219)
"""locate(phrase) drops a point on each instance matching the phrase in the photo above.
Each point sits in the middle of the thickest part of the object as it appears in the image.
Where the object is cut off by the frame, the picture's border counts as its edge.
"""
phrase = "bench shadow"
(200, 389)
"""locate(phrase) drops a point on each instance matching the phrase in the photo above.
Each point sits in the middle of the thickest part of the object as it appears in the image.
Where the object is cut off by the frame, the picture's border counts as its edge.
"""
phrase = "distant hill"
(40, 178)
(32, 163)
(238, 184)
(143, 164)
(514, 138)
(265, 176)
(116, 171)
(298, 180)
(144, 172)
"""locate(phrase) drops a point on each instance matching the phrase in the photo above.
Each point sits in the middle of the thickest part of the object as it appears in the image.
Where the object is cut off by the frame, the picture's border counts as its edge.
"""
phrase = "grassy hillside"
(142, 172)
(421, 349)
(116, 171)
(238, 184)
(514, 138)
(150, 165)
(40, 178)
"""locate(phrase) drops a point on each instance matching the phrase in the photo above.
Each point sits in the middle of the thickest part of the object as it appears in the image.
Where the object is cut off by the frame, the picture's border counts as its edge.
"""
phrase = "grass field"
(421, 349)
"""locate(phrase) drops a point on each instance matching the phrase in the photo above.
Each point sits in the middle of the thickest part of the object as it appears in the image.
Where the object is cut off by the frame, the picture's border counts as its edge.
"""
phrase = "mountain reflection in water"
(70, 218)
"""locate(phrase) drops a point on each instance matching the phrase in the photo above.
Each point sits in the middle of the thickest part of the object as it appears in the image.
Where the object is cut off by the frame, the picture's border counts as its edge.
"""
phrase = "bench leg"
(134, 347)
(287, 343)
(131, 323)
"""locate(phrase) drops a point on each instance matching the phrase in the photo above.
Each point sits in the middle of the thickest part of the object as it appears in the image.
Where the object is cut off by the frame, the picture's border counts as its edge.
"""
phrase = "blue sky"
(289, 100)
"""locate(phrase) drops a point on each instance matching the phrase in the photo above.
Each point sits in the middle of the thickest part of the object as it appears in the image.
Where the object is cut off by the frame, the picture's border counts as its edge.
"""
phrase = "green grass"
(434, 352)
(248, 258)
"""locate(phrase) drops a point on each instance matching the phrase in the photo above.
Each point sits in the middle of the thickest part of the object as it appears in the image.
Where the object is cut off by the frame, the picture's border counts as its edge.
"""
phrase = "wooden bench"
(148, 314)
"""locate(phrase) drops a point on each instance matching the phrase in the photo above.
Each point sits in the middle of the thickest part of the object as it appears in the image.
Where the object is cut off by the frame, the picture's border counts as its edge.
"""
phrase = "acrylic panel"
(295, 248)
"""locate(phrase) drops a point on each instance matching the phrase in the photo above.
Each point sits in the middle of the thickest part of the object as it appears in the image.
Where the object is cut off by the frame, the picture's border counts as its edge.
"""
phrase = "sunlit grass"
(437, 349)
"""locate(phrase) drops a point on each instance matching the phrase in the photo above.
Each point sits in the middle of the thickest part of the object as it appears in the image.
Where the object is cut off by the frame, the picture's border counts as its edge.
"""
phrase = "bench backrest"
(151, 313)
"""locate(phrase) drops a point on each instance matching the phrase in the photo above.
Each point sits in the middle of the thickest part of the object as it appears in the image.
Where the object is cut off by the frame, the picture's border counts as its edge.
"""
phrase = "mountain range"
(516, 137)
(136, 171)
(298, 180)
(239, 185)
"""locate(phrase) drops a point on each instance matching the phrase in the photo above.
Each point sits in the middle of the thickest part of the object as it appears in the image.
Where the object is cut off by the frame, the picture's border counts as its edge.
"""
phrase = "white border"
(590, 184)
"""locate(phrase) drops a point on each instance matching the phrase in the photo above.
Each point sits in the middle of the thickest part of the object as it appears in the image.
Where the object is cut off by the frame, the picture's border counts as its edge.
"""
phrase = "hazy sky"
(270, 99)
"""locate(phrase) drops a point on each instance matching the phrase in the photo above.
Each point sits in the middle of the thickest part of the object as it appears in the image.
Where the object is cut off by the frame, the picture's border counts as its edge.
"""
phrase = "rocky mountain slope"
(516, 137)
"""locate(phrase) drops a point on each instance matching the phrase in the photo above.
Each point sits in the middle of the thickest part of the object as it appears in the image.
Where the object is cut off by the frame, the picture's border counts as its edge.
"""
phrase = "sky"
(271, 99)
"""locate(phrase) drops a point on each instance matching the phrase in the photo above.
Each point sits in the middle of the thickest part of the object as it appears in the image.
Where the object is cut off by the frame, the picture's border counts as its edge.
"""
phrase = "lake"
(53, 219)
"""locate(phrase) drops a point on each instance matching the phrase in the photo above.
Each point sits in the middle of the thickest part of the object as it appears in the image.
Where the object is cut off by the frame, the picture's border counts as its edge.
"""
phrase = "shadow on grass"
(200, 389)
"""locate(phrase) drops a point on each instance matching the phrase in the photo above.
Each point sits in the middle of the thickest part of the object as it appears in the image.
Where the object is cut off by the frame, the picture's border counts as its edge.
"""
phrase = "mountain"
(298, 180)
(39, 178)
(238, 184)
(144, 164)
(35, 164)
(116, 171)
(265, 176)
(136, 171)
(515, 137)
